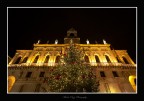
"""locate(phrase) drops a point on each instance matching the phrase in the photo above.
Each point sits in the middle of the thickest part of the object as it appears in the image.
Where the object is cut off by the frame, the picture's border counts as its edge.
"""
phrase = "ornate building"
(115, 69)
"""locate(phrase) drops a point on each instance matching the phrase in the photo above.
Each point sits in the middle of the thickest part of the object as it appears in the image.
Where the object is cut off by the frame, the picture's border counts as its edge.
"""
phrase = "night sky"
(28, 25)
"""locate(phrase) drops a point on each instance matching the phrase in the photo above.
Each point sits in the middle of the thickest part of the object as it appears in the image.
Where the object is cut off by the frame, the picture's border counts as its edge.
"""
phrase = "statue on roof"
(87, 41)
(104, 41)
(38, 42)
(56, 41)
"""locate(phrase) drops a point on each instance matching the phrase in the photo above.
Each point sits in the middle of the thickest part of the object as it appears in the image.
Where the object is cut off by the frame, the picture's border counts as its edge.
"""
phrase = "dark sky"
(28, 25)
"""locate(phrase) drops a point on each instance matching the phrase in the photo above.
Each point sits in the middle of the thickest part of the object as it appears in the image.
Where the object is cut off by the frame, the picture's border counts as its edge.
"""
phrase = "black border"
(78, 3)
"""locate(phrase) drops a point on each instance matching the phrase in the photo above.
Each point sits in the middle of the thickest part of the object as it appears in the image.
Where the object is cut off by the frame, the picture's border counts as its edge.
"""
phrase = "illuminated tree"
(72, 74)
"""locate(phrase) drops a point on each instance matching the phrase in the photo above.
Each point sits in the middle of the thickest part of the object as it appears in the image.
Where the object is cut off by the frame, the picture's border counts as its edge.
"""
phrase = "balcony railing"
(55, 64)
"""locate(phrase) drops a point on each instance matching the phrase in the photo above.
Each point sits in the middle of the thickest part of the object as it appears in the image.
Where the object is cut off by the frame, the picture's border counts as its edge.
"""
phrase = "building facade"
(28, 69)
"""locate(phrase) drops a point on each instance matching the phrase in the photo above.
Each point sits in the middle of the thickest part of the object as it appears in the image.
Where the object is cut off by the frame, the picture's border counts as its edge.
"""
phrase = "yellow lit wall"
(131, 80)
(11, 81)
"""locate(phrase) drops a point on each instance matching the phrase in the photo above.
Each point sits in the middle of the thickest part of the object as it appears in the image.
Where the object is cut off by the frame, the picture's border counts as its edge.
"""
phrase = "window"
(125, 60)
(87, 59)
(115, 74)
(108, 59)
(25, 60)
(41, 74)
(46, 59)
(97, 59)
(18, 60)
(102, 74)
(71, 34)
(28, 75)
(57, 59)
(36, 59)
(118, 59)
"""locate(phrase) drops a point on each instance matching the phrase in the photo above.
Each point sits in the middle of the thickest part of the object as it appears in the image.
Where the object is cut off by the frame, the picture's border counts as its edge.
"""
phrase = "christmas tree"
(72, 74)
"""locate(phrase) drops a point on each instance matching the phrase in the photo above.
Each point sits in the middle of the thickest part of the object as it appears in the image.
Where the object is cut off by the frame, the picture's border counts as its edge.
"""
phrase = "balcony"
(110, 64)
(55, 64)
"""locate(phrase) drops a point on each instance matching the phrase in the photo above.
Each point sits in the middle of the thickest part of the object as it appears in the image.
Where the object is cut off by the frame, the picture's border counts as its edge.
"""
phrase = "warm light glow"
(132, 81)
(51, 63)
(113, 89)
(92, 62)
(28, 61)
(40, 62)
(11, 81)
(104, 60)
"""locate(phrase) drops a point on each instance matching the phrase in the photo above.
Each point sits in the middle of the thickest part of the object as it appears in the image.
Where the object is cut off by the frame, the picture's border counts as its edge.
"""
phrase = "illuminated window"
(18, 60)
(36, 59)
(46, 59)
(87, 59)
(97, 59)
(25, 60)
(102, 74)
(57, 59)
(41, 74)
(28, 75)
(125, 60)
(115, 74)
(108, 59)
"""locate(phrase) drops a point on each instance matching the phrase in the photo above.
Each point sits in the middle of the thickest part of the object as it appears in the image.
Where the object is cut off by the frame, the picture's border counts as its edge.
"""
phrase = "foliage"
(72, 74)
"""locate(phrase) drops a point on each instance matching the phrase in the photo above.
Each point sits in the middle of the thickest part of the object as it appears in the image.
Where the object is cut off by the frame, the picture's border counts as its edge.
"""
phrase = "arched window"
(86, 59)
(118, 59)
(125, 60)
(46, 59)
(108, 59)
(71, 34)
(97, 59)
(25, 60)
(36, 59)
(57, 59)
(18, 60)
